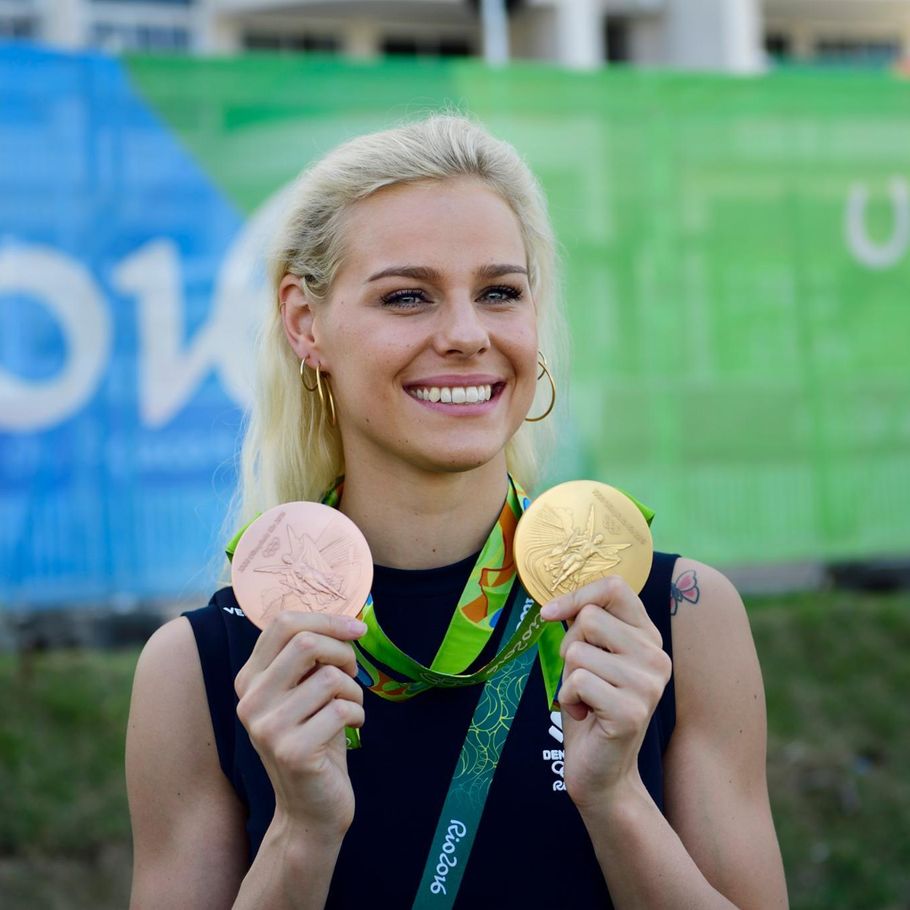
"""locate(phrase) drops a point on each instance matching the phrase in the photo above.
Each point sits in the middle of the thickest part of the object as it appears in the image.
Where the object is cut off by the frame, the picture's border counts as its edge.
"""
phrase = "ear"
(298, 315)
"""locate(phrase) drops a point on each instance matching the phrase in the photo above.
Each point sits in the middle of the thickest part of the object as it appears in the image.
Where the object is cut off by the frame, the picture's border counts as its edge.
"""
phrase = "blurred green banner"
(737, 265)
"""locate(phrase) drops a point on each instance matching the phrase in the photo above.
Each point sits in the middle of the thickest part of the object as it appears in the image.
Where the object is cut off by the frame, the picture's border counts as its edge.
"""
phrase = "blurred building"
(731, 35)
(858, 32)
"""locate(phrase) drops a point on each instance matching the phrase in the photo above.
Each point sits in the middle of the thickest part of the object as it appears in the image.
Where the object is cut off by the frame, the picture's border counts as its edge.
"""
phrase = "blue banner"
(121, 384)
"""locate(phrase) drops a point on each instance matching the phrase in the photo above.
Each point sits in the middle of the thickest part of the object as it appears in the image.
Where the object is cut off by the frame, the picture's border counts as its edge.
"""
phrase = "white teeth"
(471, 394)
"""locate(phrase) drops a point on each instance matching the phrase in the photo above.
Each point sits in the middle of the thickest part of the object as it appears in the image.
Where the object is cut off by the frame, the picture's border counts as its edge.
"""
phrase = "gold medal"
(578, 532)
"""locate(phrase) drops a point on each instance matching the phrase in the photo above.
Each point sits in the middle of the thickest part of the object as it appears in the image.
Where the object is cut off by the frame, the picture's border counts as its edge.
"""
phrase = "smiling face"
(429, 332)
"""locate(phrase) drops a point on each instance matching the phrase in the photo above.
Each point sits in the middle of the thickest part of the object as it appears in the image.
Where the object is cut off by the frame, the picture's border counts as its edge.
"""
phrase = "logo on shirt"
(236, 611)
(556, 757)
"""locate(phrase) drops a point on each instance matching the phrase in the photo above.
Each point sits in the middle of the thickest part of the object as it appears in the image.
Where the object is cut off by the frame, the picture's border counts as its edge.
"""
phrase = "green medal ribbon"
(392, 674)
(473, 621)
(462, 810)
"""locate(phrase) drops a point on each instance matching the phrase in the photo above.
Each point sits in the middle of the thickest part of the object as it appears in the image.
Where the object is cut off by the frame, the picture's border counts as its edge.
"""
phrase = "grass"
(61, 751)
(64, 828)
(837, 679)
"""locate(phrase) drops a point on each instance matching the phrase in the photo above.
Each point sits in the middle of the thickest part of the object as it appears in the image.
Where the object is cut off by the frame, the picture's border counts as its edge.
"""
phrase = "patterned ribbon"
(393, 675)
(463, 807)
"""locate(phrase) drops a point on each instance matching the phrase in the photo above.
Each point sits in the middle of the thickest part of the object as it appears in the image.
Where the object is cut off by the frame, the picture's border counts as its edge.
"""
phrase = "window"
(857, 52)
(145, 2)
(117, 37)
(429, 46)
(18, 26)
(617, 40)
(778, 45)
(278, 41)
(454, 47)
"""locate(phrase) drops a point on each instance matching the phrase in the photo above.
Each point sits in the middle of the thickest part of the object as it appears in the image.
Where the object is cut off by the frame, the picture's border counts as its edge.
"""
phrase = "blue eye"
(506, 292)
(408, 299)
(404, 299)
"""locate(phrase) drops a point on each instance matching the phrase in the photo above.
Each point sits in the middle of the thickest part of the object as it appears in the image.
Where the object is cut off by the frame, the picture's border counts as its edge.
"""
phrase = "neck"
(421, 520)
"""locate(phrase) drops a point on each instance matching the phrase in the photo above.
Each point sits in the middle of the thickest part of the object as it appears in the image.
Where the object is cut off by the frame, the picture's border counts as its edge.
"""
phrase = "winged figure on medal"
(562, 557)
(310, 575)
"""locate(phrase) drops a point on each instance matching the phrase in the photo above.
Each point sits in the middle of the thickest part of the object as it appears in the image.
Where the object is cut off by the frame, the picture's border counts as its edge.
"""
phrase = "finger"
(575, 691)
(617, 671)
(646, 666)
(300, 705)
(324, 726)
(644, 679)
(599, 627)
(285, 626)
(605, 666)
(621, 712)
(317, 691)
(304, 652)
(611, 593)
(311, 696)
(621, 693)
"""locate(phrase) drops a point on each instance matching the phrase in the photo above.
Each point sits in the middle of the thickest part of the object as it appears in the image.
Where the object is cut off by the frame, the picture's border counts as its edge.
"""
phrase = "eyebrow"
(425, 273)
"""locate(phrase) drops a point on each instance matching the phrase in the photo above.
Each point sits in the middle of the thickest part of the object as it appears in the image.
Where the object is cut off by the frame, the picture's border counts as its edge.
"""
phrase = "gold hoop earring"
(303, 364)
(542, 363)
(323, 393)
(326, 394)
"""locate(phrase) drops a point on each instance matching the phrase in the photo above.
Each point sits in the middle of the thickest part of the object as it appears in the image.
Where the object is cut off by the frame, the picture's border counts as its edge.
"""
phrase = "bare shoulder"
(713, 652)
(188, 836)
(698, 588)
(169, 693)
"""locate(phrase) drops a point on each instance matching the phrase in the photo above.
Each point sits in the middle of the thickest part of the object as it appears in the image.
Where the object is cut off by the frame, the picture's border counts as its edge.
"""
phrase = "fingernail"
(356, 626)
(549, 611)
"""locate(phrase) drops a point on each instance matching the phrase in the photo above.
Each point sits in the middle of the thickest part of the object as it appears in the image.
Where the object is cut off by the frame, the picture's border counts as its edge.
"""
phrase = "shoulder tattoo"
(685, 587)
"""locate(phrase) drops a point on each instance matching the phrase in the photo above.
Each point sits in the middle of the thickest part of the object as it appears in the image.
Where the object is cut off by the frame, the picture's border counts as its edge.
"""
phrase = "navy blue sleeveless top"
(531, 844)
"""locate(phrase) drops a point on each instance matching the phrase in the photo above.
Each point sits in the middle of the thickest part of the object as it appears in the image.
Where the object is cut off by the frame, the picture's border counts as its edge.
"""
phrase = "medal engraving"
(301, 556)
(578, 532)
(311, 575)
(562, 557)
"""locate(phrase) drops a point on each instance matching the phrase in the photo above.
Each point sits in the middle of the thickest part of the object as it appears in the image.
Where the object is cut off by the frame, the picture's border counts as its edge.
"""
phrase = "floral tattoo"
(684, 588)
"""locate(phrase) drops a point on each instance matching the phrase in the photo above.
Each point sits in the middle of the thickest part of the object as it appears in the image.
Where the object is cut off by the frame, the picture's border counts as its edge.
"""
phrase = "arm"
(190, 848)
(717, 847)
(716, 782)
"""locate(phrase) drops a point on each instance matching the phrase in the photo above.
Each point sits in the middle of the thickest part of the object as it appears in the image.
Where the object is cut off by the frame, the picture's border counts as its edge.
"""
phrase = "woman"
(414, 293)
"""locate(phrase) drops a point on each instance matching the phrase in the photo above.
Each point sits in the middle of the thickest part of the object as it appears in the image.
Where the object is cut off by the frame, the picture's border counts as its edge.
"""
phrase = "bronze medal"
(301, 556)
(578, 532)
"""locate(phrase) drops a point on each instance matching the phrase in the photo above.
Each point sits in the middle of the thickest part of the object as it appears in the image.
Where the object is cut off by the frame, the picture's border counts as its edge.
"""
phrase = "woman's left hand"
(615, 673)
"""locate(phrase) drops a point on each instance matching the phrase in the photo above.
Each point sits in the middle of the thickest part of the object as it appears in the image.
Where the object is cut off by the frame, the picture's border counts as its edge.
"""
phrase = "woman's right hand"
(297, 694)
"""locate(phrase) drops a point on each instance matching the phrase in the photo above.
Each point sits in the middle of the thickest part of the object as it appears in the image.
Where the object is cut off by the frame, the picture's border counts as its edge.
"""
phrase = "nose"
(462, 330)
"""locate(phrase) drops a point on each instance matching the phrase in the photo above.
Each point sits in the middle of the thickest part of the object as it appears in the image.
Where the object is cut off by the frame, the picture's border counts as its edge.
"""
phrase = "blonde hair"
(290, 451)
